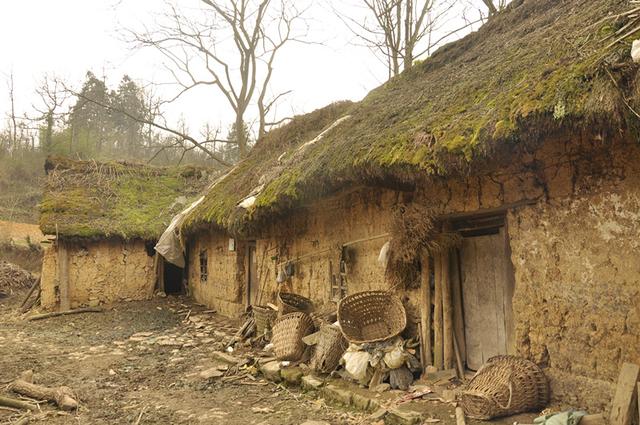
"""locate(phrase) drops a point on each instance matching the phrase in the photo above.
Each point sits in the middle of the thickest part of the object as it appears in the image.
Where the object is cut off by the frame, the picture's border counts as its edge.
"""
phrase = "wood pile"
(13, 278)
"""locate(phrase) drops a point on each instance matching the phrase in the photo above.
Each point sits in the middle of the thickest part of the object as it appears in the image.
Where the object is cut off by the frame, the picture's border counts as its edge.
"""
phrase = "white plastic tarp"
(170, 245)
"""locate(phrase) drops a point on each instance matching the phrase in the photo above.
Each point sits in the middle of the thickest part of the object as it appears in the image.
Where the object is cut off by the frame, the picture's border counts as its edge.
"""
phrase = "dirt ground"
(143, 360)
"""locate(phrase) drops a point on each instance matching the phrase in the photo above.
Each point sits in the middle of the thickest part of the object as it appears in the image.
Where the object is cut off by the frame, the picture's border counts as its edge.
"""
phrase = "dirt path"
(143, 358)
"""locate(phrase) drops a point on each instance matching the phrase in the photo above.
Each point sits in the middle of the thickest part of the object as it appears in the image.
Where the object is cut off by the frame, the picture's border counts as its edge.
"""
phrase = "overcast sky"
(67, 38)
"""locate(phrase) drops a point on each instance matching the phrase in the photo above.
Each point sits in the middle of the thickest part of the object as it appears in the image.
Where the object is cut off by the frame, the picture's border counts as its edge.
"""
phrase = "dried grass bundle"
(414, 229)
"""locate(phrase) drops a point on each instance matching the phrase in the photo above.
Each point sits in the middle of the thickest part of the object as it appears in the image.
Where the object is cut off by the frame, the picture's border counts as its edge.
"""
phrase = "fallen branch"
(17, 404)
(64, 313)
(62, 396)
(33, 288)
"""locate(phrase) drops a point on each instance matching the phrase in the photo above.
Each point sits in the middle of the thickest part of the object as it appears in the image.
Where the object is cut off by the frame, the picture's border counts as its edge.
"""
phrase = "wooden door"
(487, 290)
(253, 285)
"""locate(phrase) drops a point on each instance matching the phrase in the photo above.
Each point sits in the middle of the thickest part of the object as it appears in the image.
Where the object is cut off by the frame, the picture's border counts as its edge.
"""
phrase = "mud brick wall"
(574, 226)
(100, 272)
(224, 288)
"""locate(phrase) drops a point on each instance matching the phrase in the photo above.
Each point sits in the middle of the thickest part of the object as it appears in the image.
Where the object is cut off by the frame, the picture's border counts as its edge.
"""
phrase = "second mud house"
(507, 162)
(104, 219)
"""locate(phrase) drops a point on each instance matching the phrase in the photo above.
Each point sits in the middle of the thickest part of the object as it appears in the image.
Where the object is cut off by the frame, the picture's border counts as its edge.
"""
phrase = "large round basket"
(505, 386)
(288, 332)
(329, 349)
(371, 316)
(290, 303)
(264, 317)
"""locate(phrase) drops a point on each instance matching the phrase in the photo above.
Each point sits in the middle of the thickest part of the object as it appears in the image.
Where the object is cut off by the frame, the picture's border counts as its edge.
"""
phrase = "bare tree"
(494, 6)
(232, 46)
(52, 97)
(12, 117)
(401, 31)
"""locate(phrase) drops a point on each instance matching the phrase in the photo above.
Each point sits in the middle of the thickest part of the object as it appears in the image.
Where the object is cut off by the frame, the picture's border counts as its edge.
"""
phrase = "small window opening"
(204, 266)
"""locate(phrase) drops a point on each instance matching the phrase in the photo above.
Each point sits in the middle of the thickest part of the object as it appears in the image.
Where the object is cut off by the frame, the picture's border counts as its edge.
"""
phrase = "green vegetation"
(87, 199)
(533, 70)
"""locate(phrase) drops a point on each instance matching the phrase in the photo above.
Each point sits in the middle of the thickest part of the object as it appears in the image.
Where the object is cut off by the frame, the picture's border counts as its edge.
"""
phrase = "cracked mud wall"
(100, 272)
(573, 219)
(577, 262)
(224, 288)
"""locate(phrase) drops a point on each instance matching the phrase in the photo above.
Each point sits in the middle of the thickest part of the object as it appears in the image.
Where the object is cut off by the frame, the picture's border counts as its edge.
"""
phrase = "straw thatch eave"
(542, 68)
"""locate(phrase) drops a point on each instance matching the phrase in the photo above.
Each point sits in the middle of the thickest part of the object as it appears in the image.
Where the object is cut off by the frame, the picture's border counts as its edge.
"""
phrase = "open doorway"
(173, 279)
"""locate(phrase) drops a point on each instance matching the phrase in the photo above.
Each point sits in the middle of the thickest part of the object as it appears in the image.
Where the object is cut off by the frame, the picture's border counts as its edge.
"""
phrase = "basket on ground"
(290, 303)
(371, 316)
(504, 386)
(288, 332)
(329, 349)
(264, 317)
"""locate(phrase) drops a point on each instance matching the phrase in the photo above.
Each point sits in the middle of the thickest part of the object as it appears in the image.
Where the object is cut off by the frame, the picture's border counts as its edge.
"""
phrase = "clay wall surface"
(573, 220)
(100, 272)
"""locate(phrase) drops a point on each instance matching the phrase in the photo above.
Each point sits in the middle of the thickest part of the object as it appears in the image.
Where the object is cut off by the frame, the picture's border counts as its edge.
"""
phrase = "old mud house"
(105, 219)
(513, 150)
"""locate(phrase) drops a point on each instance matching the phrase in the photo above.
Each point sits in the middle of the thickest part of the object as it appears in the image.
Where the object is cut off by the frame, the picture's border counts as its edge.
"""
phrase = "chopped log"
(17, 404)
(33, 288)
(623, 407)
(438, 360)
(425, 313)
(460, 420)
(62, 396)
(447, 314)
(65, 313)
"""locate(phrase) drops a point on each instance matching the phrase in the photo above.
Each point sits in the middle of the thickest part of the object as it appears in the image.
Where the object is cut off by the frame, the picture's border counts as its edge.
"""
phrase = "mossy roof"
(539, 67)
(97, 200)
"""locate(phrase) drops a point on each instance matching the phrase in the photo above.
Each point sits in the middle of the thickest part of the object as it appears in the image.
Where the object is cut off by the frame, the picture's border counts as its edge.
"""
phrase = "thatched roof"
(88, 199)
(542, 67)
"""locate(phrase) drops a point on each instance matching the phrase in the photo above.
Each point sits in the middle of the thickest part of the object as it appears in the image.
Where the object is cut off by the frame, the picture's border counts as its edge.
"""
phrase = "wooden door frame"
(249, 244)
(488, 220)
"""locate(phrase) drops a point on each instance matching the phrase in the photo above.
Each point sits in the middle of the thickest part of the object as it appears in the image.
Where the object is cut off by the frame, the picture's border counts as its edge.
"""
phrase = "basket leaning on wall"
(288, 332)
(371, 316)
(505, 386)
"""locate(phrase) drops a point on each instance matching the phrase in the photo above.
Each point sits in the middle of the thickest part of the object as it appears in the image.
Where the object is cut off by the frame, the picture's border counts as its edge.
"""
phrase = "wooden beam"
(63, 276)
(438, 359)
(447, 314)
(624, 406)
(458, 311)
(425, 312)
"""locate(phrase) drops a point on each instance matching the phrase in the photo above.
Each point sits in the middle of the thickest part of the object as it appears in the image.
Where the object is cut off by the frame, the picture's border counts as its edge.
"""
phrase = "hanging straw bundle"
(414, 229)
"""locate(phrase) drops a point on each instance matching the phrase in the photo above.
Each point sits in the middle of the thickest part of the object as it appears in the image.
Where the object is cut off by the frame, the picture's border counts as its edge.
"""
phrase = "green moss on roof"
(87, 199)
(539, 66)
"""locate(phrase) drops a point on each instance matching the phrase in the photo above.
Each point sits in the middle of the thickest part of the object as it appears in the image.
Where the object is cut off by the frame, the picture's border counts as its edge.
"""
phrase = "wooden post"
(447, 314)
(623, 407)
(425, 312)
(438, 360)
(458, 311)
(63, 275)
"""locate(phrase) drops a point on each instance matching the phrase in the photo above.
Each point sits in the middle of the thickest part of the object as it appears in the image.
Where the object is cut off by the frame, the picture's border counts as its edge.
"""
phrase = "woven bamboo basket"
(505, 386)
(290, 303)
(264, 317)
(371, 316)
(288, 332)
(330, 348)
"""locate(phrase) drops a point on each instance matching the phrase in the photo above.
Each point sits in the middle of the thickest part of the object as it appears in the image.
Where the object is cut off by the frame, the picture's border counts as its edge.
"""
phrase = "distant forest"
(97, 129)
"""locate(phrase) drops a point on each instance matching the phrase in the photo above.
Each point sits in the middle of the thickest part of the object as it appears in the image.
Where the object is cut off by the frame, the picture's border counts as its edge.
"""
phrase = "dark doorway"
(172, 279)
